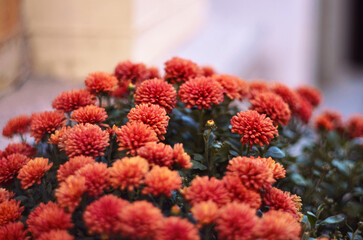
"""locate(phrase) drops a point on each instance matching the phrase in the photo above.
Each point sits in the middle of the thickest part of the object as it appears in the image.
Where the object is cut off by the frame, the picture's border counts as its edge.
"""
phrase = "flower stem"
(44, 192)
(161, 201)
(100, 100)
(206, 152)
(200, 129)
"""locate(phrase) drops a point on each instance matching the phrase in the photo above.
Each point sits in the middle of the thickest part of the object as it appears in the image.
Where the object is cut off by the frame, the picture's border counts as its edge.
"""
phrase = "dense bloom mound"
(273, 106)
(71, 166)
(33, 171)
(161, 180)
(304, 110)
(156, 91)
(201, 92)
(278, 225)
(87, 140)
(205, 212)
(255, 128)
(23, 148)
(152, 115)
(10, 211)
(204, 189)
(5, 195)
(311, 94)
(139, 220)
(128, 172)
(157, 153)
(13, 231)
(329, 120)
(56, 235)
(72, 100)
(100, 82)
(180, 70)
(97, 178)
(47, 217)
(236, 221)
(354, 126)
(207, 71)
(277, 169)
(89, 114)
(17, 125)
(46, 122)
(254, 174)
(289, 96)
(134, 135)
(102, 215)
(234, 87)
(69, 194)
(180, 157)
(177, 229)
(11, 165)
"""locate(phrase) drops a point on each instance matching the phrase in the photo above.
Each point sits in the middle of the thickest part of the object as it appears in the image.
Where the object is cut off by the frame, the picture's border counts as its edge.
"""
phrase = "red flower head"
(97, 178)
(5, 195)
(256, 87)
(205, 212)
(201, 92)
(304, 110)
(157, 153)
(152, 115)
(354, 126)
(128, 172)
(56, 235)
(33, 172)
(23, 148)
(289, 96)
(311, 94)
(89, 114)
(181, 157)
(253, 173)
(234, 87)
(134, 72)
(10, 211)
(17, 125)
(11, 165)
(46, 122)
(47, 217)
(87, 140)
(13, 231)
(255, 128)
(134, 135)
(204, 189)
(273, 106)
(156, 91)
(236, 221)
(180, 70)
(177, 229)
(208, 71)
(100, 82)
(70, 167)
(161, 180)
(276, 168)
(72, 100)
(329, 120)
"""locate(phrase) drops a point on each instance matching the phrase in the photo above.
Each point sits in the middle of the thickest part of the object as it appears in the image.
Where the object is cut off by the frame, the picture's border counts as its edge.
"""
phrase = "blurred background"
(47, 47)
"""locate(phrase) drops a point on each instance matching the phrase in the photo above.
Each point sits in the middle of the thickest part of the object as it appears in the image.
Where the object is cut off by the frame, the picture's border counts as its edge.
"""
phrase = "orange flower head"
(11, 165)
(23, 148)
(354, 126)
(236, 221)
(87, 140)
(46, 123)
(72, 100)
(180, 70)
(205, 212)
(180, 157)
(161, 180)
(157, 153)
(329, 120)
(203, 189)
(256, 87)
(47, 217)
(255, 128)
(273, 106)
(56, 234)
(156, 91)
(10, 211)
(234, 87)
(5, 195)
(101, 216)
(152, 115)
(276, 168)
(177, 229)
(97, 178)
(289, 96)
(59, 137)
(311, 94)
(17, 125)
(33, 171)
(134, 135)
(207, 71)
(201, 92)
(89, 114)
(128, 172)
(100, 82)
(304, 110)
(253, 173)
(13, 231)
(70, 167)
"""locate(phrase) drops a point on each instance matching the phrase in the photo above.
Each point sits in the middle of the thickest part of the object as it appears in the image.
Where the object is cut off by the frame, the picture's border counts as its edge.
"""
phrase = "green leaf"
(298, 179)
(275, 152)
(332, 220)
(233, 153)
(312, 218)
(198, 165)
(198, 157)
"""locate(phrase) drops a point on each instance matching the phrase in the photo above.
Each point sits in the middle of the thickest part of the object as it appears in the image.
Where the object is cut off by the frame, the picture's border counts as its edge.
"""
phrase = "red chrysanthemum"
(128, 172)
(89, 114)
(87, 140)
(180, 157)
(69, 194)
(101, 216)
(134, 135)
(97, 178)
(236, 221)
(255, 128)
(13, 231)
(256, 87)
(10, 211)
(205, 212)
(289, 96)
(56, 235)
(204, 189)
(100, 82)
(157, 153)
(121, 91)
(207, 71)
(46, 123)
(354, 126)
(72, 100)
(152, 115)
(47, 217)
(23, 148)
(156, 91)
(18, 125)
(201, 92)
(134, 72)
(329, 120)
(277, 169)
(304, 110)
(71, 166)
(5, 195)
(177, 229)
(273, 106)
(310, 94)
(234, 87)
(180, 70)
(33, 171)
(11, 165)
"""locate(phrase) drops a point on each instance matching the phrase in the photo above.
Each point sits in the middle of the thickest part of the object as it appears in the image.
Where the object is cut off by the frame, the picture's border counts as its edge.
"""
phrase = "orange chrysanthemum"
(180, 70)
(304, 110)
(72, 100)
(177, 229)
(47, 217)
(273, 106)
(234, 87)
(134, 135)
(256, 87)
(17, 125)
(97, 178)
(56, 235)
(59, 137)
(33, 171)
(329, 120)
(128, 172)
(201, 92)
(5, 195)
(277, 169)
(100, 82)
(161, 180)
(180, 157)
(207, 71)
(69, 194)
(87, 140)
(71, 166)
(311, 94)
(102, 216)
(11, 165)
(204, 189)
(46, 123)
(354, 126)
(205, 212)
(89, 114)
(13, 231)
(289, 96)
(23, 148)
(156, 91)
(254, 174)
(236, 221)
(10, 211)
(152, 115)
(157, 153)
(255, 128)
